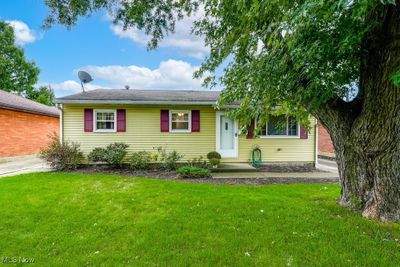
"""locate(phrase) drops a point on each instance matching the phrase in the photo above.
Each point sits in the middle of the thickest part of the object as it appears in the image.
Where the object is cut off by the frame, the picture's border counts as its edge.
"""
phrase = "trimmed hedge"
(140, 160)
(113, 154)
(192, 172)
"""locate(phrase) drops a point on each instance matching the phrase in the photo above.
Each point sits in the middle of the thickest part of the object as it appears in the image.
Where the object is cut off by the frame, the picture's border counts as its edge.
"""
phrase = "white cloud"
(23, 34)
(69, 87)
(182, 40)
(170, 74)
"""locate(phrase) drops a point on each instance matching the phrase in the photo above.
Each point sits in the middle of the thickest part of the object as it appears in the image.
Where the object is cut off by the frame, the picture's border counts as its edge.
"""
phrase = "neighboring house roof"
(134, 96)
(14, 102)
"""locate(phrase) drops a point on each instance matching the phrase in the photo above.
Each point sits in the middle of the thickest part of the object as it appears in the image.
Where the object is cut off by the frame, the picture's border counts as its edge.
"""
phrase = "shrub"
(154, 157)
(65, 156)
(97, 155)
(214, 158)
(192, 172)
(113, 154)
(140, 160)
(214, 162)
(213, 155)
(169, 159)
(198, 162)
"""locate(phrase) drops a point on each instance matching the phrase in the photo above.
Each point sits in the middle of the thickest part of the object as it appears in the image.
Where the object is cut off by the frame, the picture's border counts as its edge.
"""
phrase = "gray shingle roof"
(143, 96)
(11, 101)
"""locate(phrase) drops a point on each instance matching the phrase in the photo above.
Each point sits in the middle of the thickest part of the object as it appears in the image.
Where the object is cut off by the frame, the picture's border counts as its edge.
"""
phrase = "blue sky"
(112, 56)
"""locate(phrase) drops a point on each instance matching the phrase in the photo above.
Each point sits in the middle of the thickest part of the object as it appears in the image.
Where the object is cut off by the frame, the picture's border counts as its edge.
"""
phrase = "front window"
(180, 121)
(280, 126)
(105, 120)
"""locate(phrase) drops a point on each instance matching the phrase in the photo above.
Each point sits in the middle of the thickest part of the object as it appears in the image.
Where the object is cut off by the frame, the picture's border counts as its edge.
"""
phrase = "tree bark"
(366, 133)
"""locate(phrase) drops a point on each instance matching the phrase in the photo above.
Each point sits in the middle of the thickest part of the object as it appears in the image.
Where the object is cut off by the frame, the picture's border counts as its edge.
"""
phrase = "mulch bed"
(102, 169)
(171, 175)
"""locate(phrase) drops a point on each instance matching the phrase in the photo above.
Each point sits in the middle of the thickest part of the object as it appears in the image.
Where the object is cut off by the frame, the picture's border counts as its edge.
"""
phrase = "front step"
(234, 167)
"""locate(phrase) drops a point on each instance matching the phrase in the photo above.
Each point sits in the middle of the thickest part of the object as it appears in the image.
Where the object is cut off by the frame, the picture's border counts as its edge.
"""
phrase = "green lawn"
(76, 220)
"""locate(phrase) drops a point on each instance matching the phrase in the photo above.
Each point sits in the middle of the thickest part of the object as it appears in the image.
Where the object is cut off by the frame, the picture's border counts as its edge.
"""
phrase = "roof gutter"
(139, 102)
(30, 111)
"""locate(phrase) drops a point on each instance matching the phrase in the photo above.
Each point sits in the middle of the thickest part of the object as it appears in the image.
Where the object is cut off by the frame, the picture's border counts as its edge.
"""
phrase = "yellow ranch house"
(181, 120)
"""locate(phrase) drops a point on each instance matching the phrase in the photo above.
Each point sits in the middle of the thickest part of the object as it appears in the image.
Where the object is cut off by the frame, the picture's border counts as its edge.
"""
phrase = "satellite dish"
(84, 77)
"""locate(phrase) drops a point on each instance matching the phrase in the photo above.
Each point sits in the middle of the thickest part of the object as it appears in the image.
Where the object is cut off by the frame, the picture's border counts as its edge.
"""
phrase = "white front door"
(227, 136)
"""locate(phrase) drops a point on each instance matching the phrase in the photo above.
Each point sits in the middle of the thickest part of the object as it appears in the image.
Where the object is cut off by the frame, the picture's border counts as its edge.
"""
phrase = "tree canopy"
(17, 74)
(43, 95)
(293, 54)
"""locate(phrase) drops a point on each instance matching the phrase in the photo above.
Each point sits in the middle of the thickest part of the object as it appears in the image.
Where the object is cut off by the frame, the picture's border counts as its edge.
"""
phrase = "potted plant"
(214, 158)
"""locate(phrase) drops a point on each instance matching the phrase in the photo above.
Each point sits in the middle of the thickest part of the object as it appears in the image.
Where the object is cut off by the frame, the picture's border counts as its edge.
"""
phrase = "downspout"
(316, 144)
(60, 107)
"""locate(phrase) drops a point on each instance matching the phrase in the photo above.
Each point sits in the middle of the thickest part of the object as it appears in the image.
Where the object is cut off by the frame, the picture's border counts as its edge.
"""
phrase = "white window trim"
(95, 121)
(180, 130)
(281, 136)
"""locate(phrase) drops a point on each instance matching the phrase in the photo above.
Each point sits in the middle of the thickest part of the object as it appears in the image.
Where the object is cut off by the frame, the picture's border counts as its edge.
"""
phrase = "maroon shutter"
(195, 120)
(164, 120)
(250, 130)
(303, 133)
(121, 120)
(88, 117)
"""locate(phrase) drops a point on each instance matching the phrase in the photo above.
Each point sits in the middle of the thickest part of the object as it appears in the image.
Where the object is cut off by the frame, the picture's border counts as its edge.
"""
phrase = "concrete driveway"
(327, 165)
(24, 164)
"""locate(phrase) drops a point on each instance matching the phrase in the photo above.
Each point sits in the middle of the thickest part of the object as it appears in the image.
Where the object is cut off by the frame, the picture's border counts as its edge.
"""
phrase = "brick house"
(325, 145)
(25, 125)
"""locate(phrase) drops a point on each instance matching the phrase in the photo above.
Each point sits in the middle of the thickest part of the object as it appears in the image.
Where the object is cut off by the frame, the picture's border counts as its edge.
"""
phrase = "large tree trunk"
(366, 133)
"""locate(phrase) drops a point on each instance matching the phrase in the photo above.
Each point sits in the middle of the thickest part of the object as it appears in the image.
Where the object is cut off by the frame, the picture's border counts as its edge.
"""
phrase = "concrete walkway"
(23, 164)
(327, 170)
(234, 167)
(294, 175)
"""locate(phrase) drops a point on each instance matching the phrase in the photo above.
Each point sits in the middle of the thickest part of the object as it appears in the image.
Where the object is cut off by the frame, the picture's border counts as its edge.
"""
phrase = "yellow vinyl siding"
(143, 130)
(143, 133)
(280, 149)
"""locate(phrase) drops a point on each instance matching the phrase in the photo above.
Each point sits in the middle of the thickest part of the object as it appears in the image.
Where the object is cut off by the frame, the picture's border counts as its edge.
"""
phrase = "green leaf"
(396, 78)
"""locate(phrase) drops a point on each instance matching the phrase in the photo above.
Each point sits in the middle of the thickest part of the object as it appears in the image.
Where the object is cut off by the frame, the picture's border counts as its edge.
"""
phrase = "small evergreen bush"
(140, 160)
(113, 154)
(192, 172)
(213, 155)
(97, 155)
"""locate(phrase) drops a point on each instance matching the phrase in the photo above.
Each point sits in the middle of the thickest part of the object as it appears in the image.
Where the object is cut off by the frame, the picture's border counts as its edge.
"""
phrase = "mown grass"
(75, 220)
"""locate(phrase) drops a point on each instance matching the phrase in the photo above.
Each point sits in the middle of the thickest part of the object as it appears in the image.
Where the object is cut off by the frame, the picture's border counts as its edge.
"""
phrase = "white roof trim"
(137, 102)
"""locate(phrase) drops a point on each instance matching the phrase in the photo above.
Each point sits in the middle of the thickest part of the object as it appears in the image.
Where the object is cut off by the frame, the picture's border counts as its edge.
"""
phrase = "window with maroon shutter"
(280, 126)
(88, 120)
(250, 130)
(180, 121)
(164, 120)
(121, 120)
(195, 120)
(303, 133)
(105, 120)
